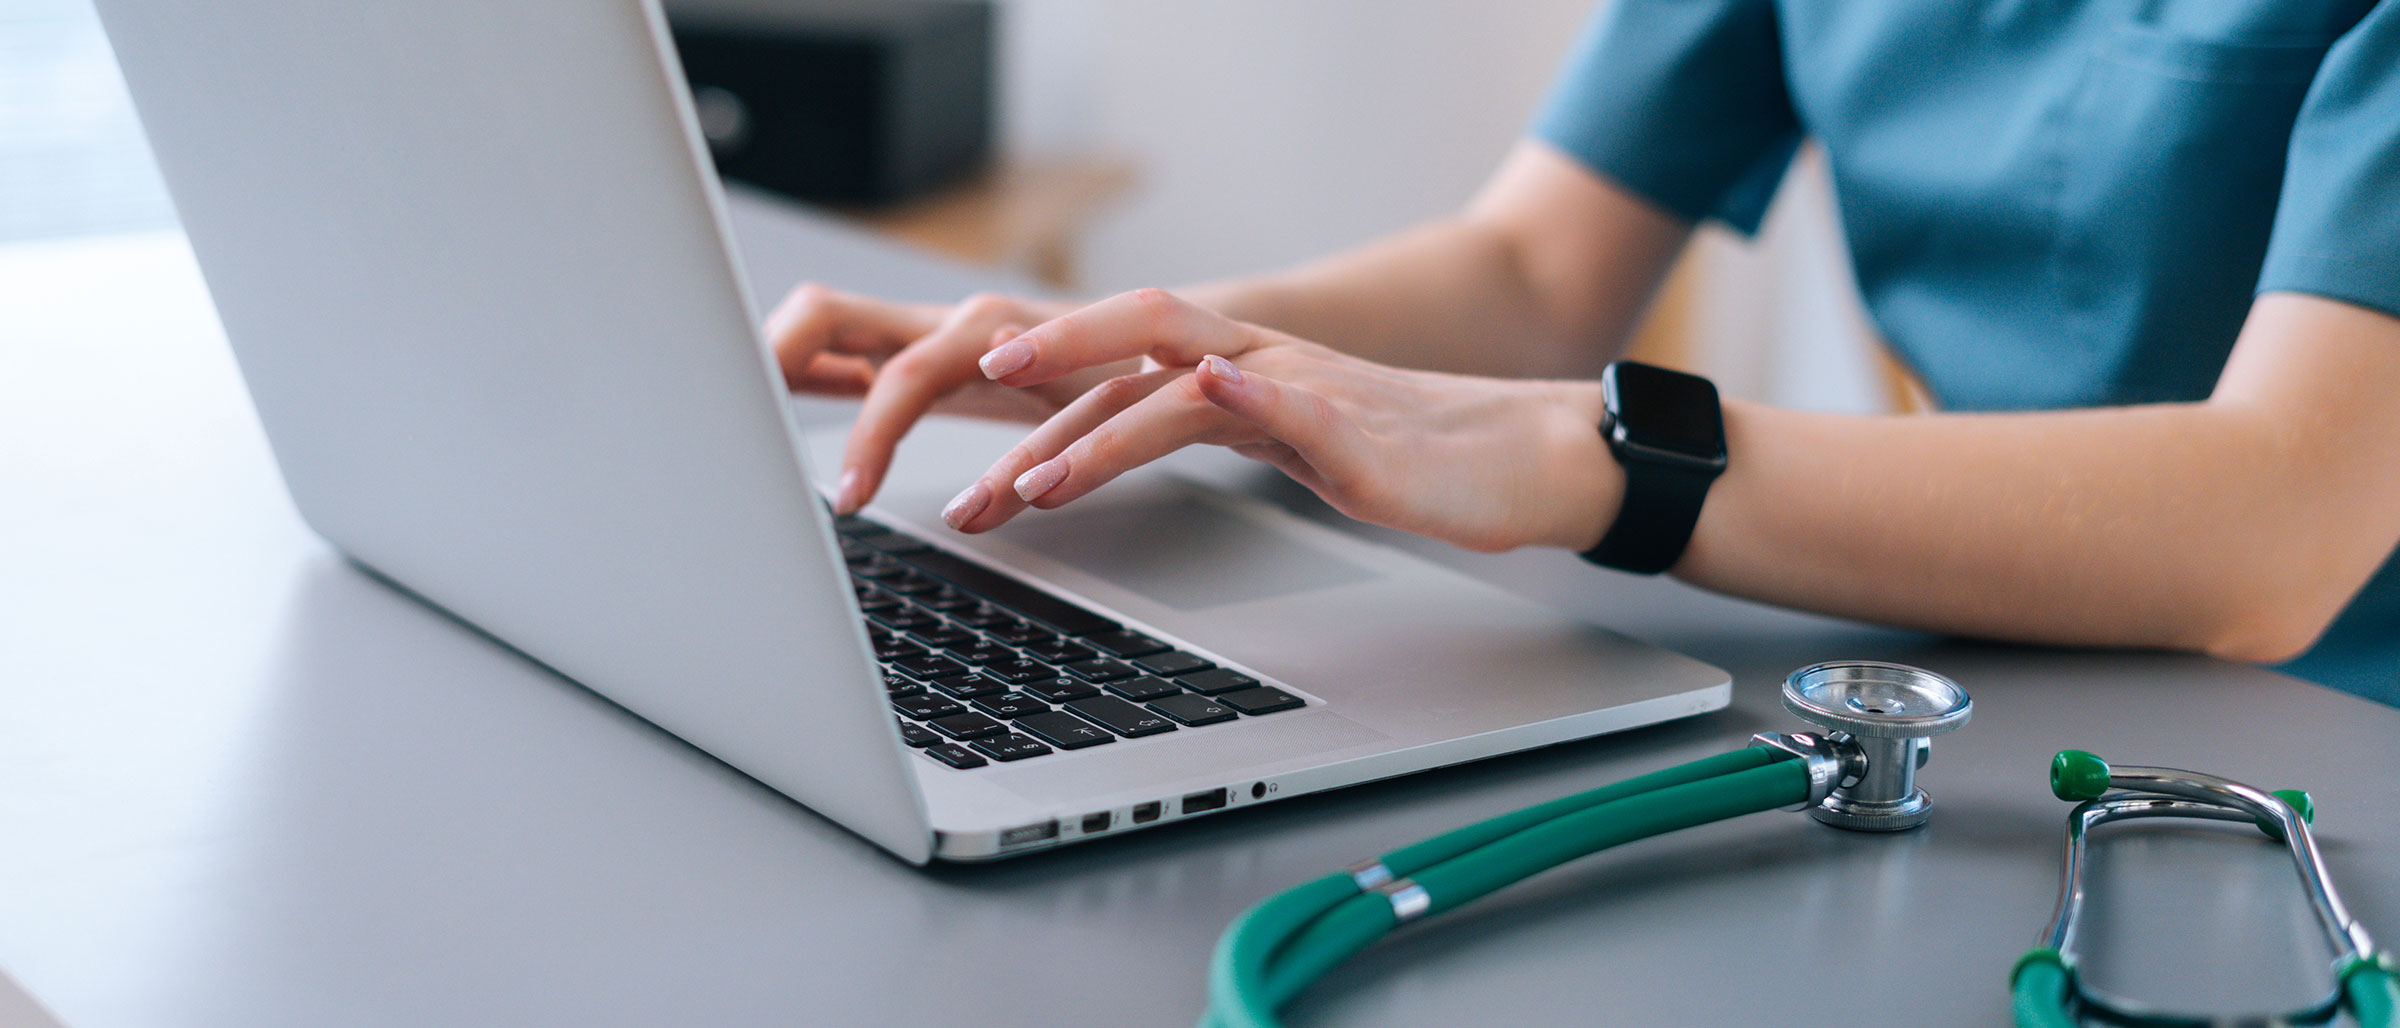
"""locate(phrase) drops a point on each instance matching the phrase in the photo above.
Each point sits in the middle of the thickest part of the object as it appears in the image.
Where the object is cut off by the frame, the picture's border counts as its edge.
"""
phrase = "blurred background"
(1128, 143)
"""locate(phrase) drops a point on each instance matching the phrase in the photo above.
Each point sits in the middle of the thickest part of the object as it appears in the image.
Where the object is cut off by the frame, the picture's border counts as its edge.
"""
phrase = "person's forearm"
(2209, 527)
(1444, 296)
(1545, 274)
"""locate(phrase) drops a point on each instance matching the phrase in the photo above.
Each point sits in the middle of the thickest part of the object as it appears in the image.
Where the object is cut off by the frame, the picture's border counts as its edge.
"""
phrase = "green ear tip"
(2301, 803)
(2076, 775)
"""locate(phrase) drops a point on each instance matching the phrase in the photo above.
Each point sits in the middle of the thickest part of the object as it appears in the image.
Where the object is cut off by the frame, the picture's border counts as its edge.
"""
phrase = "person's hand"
(907, 359)
(1486, 464)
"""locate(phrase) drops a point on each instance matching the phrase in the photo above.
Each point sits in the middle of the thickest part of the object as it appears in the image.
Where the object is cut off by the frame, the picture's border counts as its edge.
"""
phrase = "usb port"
(1145, 813)
(1203, 801)
(1094, 824)
(1023, 834)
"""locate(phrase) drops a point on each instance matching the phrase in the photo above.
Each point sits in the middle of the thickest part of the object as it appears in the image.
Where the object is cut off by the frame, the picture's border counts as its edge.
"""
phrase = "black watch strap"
(1655, 522)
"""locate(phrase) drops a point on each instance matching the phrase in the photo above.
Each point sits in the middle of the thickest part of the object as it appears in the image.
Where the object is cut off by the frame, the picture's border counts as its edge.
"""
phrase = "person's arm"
(1545, 273)
(2238, 526)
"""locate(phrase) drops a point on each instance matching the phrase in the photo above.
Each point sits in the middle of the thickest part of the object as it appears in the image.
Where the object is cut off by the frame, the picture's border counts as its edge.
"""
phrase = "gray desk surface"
(241, 784)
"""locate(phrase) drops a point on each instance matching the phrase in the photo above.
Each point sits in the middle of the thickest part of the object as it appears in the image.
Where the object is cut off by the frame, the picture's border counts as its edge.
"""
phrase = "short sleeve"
(2337, 223)
(1681, 101)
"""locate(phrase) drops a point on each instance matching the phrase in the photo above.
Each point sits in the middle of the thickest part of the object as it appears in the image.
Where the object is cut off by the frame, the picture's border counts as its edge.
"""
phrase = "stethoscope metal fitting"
(1880, 720)
(2047, 989)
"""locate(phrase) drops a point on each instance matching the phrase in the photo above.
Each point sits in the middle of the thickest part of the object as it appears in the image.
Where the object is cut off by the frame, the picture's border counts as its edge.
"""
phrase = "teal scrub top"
(2048, 203)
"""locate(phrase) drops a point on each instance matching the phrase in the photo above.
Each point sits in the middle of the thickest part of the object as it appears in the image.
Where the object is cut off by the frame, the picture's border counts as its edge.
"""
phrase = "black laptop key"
(954, 755)
(1124, 644)
(942, 637)
(910, 583)
(1121, 717)
(1019, 671)
(878, 567)
(853, 524)
(1022, 633)
(1215, 680)
(1193, 710)
(1010, 705)
(968, 725)
(946, 599)
(983, 616)
(925, 706)
(1060, 651)
(980, 651)
(1172, 662)
(1100, 669)
(1143, 688)
(854, 551)
(928, 667)
(1265, 699)
(917, 735)
(1063, 730)
(898, 685)
(1010, 593)
(967, 687)
(1060, 689)
(905, 620)
(890, 542)
(892, 647)
(1009, 747)
(875, 601)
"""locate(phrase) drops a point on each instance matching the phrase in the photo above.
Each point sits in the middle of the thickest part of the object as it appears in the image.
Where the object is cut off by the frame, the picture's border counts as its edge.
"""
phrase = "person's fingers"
(992, 498)
(1318, 433)
(834, 374)
(1169, 419)
(907, 386)
(1151, 322)
(815, 319)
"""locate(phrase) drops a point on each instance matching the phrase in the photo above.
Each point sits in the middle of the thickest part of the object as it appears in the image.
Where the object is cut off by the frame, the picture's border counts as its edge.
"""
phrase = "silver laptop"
(476, 269)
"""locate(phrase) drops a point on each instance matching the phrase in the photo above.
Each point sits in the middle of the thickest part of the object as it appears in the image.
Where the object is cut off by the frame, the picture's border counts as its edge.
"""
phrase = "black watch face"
(1667, 411)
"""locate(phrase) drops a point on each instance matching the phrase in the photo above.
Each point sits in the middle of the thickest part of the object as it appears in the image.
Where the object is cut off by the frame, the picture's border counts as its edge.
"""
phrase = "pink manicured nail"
(1041, 479)
(967, 504)
(845, 493)
(1007, 360)
(1223, 369)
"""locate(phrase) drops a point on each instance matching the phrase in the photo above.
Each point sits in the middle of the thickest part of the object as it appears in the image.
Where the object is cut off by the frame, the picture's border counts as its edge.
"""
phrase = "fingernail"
(1007, 360)
(967, 504)
(1223, 369)
(845, 493)
(1041, 479)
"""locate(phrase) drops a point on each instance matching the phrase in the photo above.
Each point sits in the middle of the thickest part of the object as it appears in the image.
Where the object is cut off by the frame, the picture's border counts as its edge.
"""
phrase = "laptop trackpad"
(1214, 557)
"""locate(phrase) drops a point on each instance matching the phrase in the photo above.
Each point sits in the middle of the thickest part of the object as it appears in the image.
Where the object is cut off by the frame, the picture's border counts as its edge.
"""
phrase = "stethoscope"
(2047, 991)
(1858, 774)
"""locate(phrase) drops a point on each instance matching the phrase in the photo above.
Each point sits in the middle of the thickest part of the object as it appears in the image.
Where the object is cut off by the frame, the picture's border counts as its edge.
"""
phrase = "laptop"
(477, 272)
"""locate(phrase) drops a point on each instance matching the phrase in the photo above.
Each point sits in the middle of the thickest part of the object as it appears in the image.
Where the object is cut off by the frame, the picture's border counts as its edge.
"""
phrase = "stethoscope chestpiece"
(1882, 717)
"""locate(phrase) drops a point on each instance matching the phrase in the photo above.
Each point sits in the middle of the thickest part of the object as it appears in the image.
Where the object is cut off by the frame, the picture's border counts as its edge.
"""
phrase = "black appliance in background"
(840, 101)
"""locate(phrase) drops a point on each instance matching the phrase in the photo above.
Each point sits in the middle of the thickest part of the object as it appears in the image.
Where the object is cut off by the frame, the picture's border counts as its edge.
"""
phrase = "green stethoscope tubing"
(1275, 949)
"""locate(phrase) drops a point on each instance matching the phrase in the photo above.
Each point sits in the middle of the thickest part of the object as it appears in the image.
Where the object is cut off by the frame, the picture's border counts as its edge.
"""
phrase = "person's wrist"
(1583, 483)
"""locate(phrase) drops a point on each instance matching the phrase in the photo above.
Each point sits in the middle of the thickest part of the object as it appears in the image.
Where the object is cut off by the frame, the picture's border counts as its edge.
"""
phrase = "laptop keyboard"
(983, 668)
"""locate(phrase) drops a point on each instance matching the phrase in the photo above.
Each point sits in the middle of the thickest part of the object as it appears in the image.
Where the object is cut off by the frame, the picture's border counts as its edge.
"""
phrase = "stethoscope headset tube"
(2047, 992)
(1271, 952)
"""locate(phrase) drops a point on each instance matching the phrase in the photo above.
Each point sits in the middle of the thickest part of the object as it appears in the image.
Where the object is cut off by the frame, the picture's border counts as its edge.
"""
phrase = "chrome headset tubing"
(2045, 987)
(1859, 775)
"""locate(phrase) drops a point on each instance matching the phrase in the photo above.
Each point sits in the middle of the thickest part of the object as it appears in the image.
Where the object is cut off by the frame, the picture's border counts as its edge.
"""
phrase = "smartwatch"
(1668, 431)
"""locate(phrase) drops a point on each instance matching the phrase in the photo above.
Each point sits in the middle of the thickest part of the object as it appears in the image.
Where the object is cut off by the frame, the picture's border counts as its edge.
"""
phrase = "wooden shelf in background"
(1020, 214)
